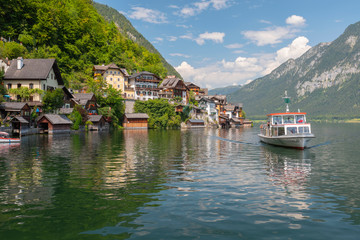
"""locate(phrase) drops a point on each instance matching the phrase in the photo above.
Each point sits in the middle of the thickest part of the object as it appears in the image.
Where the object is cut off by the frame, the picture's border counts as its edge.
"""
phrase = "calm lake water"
(181, 184)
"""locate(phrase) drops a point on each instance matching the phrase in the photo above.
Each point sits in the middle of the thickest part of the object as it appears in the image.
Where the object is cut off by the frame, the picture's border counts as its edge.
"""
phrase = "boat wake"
(234, 141)
(259, 144)
(319, 145)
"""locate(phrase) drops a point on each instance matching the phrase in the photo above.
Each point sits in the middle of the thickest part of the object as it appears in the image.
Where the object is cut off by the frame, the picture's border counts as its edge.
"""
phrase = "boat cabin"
(287, 124)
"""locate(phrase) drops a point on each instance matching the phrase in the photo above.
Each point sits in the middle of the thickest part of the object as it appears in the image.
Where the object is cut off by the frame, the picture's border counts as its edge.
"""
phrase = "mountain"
(324, 82)
(127, 29)
(225, 90)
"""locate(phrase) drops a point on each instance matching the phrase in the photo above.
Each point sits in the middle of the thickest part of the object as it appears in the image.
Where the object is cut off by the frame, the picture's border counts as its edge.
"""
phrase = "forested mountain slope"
(75, 34)
(325, 81)
(127, 29)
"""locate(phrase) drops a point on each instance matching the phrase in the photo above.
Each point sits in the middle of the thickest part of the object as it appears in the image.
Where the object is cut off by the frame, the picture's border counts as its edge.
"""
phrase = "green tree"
(161, 113)
(53, 100)
(25, 93)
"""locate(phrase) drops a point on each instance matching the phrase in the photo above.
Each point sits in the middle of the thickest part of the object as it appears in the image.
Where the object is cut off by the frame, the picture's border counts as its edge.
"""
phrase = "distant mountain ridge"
(127, 29)
(324, 81)
(224, 90)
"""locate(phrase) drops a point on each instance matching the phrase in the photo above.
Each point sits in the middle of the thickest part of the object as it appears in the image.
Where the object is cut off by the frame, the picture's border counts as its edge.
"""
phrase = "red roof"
(287, 113)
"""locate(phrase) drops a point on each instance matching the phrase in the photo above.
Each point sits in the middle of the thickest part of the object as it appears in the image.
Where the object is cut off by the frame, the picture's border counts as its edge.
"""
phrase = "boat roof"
(287, 113)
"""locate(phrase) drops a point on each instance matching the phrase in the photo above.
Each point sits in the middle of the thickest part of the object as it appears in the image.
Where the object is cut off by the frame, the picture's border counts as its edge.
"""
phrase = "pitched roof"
(170, 82)
(136, 115)
(20, 119)
(188, 84)
(144, 73)
(112, 66)
(83, 96)
(33, 69)
(12, 106)
(56, 119)
(95, 118)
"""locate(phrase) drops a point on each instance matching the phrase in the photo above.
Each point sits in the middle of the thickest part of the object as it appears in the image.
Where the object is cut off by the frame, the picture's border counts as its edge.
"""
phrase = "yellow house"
(113, 75)
(41, 74)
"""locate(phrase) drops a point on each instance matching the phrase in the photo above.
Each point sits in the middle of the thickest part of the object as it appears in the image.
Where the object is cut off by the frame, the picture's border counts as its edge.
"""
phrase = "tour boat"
(4, 138)
(288, 129)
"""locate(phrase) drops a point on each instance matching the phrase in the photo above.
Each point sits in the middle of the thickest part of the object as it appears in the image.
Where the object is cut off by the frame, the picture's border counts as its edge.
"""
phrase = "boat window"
(281, 131)
(277, 119)
(291, 130)
(289, 119)
(304, 130)
(300, 118)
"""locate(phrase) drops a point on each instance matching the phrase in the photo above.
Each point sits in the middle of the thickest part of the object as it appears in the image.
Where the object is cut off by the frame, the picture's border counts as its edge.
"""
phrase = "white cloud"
(148, 15)
(198, 7)
(234, 46)
(184, 26)
(217, 37)
(172, 38)
(270, 35)
(243, 69)
(296, 20)
(294, 50)
(179, 55)
(276, 34)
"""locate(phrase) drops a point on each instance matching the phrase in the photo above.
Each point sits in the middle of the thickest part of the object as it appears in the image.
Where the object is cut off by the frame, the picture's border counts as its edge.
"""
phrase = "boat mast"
(287, 101)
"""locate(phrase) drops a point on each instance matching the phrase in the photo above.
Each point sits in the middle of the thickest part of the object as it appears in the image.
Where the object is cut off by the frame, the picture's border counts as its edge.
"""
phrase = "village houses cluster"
(45, 74)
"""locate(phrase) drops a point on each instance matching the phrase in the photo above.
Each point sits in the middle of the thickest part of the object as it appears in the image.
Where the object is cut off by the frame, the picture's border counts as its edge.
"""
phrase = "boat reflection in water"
(287, 167)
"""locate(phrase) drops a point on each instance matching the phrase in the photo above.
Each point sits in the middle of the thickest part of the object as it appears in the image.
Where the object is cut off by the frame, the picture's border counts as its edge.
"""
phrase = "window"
(110, 79)
(291, 130)
(110, 72)
(9, 86)
(44, 87)
(277, 120)
(118, 79)
(300, 118)
(19, 85)
(67, 105)
(118, 86)
(289, 119)
(31, 86)
(304, 130)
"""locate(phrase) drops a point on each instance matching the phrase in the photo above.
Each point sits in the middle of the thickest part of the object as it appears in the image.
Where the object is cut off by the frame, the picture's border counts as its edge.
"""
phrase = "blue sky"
(217, 43)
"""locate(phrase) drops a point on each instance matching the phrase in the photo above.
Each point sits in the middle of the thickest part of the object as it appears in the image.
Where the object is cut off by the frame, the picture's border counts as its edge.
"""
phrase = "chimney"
(20, 63)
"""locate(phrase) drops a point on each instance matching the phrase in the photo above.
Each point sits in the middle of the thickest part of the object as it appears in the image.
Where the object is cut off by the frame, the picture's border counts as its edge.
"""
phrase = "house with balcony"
(208, 105)
(145, 85)
(192, 87)
(172, 87)
(41, 74)
(113, 75)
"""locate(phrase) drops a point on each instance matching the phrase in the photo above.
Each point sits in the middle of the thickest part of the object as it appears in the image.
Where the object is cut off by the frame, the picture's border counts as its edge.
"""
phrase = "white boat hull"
(298, 141)
(9, 140)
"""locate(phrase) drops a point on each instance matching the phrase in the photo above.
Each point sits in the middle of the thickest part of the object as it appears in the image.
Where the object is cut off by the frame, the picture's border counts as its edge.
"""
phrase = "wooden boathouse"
(136, 120)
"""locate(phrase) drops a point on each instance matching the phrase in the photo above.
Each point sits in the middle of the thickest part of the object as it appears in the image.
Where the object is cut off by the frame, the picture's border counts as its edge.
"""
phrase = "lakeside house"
(87, 101)
(41, 74)
(192, 87)
(114, 76)
(9, 110)
(136, 120)
(195, 123)
(145, 85)
(20, 126)
(98, 123)
(172, 87)
(53, 123)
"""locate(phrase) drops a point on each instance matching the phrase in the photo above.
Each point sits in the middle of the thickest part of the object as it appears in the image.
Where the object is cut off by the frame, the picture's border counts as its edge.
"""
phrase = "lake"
(181, 184)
